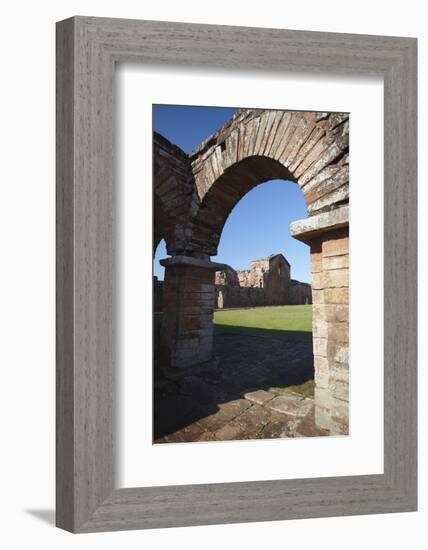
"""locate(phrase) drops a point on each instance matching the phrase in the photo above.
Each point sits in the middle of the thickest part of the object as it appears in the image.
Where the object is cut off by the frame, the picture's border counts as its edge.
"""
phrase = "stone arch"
(258, 145)
(223, 195)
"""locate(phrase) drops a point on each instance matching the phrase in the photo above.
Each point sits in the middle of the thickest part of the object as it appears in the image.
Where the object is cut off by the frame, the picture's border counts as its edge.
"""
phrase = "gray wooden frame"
(87, 50)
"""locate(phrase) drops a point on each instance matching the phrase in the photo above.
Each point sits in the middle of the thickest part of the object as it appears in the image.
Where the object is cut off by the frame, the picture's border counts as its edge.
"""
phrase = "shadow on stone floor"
(245, 362)
(290, 335)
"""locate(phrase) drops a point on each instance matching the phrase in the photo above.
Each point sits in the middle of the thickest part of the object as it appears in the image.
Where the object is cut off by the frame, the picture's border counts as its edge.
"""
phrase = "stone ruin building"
(193, 197)
(266, 283)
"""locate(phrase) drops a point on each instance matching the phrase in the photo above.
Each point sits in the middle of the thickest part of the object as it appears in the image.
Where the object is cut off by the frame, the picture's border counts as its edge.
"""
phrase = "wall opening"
(263, 312)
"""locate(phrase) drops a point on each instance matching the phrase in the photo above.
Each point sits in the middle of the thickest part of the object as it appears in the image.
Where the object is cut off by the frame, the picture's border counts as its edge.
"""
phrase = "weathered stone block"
(322, 417)
(335, 278)
(339, 371)
(331, 312)
(228, 432)
(320, 180)
(228, 411)
(320, 363)
(335, 247)
(261, 397)
(342, 354)
(327, 156)
(253, 420)
(322, 372)
(318, 281)
(339, 426)
(339, 417)
(338, 332)
(332, 224)
(339, 408)
(273, 131)
(337, 313)
(320, 346)
(322, 397)
(315, 136)
(188, 433)
(336, 296)
(303, 131)
(316, 263)
(330, 279)
(291, 404)
(314, 193)
(277, 145)
(335, 262)
(319, 328)
(317, 296)
(333, 197)
(339, 389)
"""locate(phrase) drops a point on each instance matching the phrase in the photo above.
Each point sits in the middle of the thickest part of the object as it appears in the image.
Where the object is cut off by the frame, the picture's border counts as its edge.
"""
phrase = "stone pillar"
(328, 236)
(330, 280)
(188, 305)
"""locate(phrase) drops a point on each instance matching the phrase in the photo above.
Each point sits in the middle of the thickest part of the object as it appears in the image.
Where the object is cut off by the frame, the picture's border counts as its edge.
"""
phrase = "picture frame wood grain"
(87, 50)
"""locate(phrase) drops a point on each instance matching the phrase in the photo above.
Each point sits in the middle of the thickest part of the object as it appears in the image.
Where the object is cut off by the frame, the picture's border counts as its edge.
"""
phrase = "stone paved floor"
(257, 388)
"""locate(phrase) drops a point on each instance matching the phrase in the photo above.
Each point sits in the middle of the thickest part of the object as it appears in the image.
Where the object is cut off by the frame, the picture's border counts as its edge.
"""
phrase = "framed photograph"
(236, 274)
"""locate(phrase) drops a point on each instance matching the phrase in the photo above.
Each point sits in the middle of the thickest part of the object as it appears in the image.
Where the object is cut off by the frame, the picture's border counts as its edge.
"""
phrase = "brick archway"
(310, 149)
(256, 146)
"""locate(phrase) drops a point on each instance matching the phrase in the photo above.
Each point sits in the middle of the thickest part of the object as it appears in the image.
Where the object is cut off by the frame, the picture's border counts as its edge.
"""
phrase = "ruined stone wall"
(277, 281)
(229, 297)
(255, 276)
(299, 293)
(266, 283)
(228, 276)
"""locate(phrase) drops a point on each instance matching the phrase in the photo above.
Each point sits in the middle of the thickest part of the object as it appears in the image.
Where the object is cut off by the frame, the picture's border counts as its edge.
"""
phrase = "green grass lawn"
(292, 322)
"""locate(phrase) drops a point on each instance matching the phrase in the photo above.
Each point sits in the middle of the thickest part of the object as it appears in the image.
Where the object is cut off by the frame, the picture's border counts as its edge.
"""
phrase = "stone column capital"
(311, 228)
(177, 261)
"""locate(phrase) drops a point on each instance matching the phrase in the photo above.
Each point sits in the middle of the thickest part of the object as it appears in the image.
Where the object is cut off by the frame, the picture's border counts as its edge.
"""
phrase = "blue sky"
(259, 223)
